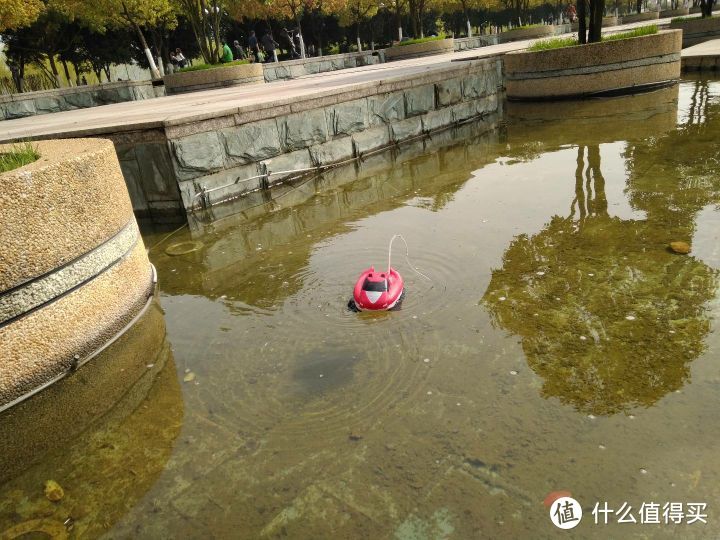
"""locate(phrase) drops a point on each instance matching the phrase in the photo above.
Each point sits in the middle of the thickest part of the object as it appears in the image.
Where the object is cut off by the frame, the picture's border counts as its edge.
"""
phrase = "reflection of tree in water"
(608, 318)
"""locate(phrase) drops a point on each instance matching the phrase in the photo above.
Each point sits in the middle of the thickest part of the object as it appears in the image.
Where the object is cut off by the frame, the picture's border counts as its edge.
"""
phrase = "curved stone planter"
(680, 12)
(418, 50)
(218, 77)
(76, 272)
(621, 66)
(606, 21)
(640, 17)
(698, 30)
(533, 32)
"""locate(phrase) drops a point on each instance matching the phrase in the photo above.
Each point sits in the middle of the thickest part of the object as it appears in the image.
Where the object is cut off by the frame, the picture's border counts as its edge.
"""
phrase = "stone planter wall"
(594, 69)
(75, 269)
(218, 77)
(475, 42)
(698, 30)
(639, 17)
(79, 97)
(680, 12)
(533, 32)
(291, 69)
(323, 131)
(606, 22)
(418, 50)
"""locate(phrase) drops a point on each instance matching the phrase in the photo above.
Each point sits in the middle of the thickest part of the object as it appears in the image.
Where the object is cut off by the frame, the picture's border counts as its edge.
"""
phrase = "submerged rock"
(53, 491)
(680, 247)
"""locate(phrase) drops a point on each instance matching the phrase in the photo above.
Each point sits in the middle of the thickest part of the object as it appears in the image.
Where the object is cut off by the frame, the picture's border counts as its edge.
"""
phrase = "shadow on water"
(104, 435)
(608, 316)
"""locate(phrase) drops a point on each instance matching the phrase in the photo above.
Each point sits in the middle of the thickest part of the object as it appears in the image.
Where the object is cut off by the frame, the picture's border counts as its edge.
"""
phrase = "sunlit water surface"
(558, 345)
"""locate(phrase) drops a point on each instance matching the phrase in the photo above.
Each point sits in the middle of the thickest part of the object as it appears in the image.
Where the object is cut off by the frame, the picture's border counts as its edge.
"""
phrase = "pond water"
(557, 345)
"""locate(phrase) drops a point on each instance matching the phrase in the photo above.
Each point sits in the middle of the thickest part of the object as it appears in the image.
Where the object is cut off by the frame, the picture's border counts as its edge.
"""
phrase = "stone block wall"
(76, 272)
(79, 97)
(228, 157)
(292, 69)
(475, 42)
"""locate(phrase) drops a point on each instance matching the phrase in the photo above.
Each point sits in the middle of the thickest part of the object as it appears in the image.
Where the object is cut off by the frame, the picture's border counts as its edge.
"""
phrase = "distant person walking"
(227, 55)
(269, 45)
(253, 47)
(239, 51)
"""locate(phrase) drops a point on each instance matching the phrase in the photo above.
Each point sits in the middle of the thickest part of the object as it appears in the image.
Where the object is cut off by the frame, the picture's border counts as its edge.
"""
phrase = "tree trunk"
(54, 69)
(300, 37)
(581, 13)
(413, 18)
(597, 8)
(67, 73)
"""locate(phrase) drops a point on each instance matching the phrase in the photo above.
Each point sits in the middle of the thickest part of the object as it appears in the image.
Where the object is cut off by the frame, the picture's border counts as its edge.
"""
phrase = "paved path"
(134, 115)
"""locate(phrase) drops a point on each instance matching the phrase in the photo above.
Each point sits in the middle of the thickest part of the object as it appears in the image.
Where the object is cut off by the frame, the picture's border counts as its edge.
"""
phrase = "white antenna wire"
(407, 256)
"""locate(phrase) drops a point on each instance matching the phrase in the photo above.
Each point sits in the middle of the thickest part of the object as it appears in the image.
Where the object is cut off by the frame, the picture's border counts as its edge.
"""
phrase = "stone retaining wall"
(475, 42)
(76, 271)
(709, 62)
(79, 97)
(217, 77)
(544, 30)
(292, 69)
(680, 12)
(322, 132)
(698, 30)
(639, 17)
(596, 68)
(418, 50)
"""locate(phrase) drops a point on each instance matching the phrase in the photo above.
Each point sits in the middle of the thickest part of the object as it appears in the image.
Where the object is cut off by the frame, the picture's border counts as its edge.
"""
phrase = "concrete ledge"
(76, 269)
(640, 17)
(533, 32)
(78, 97)
(218, 77)
(697, 30)
(595, 68)
(680, 12)
(417, 50)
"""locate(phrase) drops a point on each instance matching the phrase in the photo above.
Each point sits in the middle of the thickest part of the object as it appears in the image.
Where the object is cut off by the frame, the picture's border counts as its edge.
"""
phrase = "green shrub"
(198, 67)
(422, 40)
(19, 155)
(558, 43)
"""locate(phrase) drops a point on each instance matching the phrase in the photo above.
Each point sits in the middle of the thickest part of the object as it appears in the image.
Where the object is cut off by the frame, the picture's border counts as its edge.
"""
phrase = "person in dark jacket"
(253, 47)
(269, 45)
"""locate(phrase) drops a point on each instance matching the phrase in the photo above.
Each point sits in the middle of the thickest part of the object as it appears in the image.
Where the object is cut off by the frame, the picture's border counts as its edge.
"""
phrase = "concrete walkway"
(173, 110)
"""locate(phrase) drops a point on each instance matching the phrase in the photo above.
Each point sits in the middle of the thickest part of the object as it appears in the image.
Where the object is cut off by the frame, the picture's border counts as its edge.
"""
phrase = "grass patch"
(18, 156)
(638, 32)
(200, 67)
(422, 40)
(559, 43)
(553, 43)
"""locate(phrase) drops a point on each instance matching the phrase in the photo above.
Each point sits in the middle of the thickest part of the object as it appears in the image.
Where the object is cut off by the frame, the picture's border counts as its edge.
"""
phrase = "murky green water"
(558, 346)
